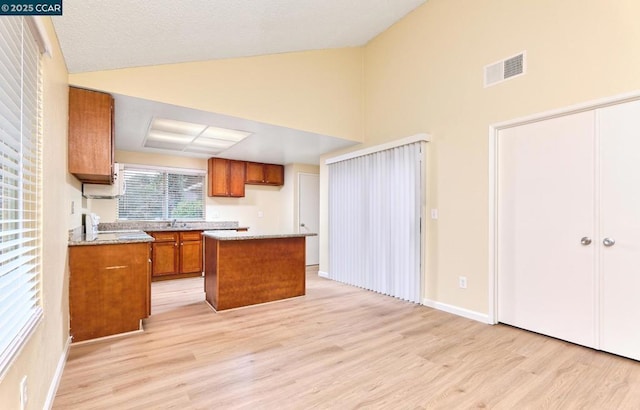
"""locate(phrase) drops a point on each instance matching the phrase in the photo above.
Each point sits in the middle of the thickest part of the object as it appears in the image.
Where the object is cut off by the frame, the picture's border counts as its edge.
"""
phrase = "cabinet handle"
(585, 241)
(609, 241)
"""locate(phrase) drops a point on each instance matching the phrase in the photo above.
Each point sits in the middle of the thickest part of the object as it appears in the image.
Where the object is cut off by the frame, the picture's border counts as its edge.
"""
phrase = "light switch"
(434, 214)
(260, 214)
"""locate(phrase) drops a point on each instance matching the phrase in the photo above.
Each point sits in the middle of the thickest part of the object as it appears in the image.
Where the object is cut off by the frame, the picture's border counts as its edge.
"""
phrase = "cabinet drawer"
(165, 236)
(191, 236)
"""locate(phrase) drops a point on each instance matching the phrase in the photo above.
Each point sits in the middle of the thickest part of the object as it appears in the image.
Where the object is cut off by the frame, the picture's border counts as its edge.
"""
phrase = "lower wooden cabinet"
(164, 255)
(190, 252)
(176, 254)
(109, 289)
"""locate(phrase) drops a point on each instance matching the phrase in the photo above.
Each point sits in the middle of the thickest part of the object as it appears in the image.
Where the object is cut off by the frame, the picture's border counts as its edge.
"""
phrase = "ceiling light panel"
(225, 134)
(169, 136)
(191, 137)
(176, 127)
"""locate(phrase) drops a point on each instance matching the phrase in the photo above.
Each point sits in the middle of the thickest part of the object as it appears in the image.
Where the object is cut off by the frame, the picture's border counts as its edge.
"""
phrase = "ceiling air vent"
(505, 69)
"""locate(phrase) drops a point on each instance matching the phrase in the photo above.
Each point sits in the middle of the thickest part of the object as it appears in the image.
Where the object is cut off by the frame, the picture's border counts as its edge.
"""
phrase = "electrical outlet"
(462, 282)
(23, 393)
(434, 214)
(73, 207)
(260, 214)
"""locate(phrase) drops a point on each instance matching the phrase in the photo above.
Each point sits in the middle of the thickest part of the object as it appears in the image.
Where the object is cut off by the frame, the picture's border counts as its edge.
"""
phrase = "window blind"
(375, 204)
(156, 193)
(20, 182)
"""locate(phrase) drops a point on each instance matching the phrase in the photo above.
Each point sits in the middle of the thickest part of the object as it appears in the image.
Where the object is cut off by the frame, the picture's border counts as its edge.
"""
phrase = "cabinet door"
(254, 173)
(274, 174)
(90, 136)
(619, 128)
(546, 277)
(218, 177)
(226, 177)
(165, 258)
(236, 178)
(190, 254)
(108, 289)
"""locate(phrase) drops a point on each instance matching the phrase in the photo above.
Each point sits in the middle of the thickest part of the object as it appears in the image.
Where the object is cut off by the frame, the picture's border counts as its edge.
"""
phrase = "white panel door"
(619, 134)
(309, 214)
(546, 276)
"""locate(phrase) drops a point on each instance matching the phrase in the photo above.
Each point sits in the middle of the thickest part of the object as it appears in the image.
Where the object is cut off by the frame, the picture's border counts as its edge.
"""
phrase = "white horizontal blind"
(155, 193)
(375, 205)
(20, 181)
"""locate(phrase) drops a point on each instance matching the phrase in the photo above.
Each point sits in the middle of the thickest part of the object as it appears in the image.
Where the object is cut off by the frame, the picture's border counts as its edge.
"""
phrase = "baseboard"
(469, 314)
(323, 274)
(55, 382)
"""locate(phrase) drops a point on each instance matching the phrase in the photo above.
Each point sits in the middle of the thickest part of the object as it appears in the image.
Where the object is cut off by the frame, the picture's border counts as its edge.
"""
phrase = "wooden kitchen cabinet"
(264, 174)
(91, 140)
(165, 254)
(191, 252)
(109, 289)
(226, 177)
(176, 254)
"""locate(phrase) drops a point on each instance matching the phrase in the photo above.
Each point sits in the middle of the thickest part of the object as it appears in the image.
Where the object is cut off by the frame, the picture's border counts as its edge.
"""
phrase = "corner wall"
(425, 74)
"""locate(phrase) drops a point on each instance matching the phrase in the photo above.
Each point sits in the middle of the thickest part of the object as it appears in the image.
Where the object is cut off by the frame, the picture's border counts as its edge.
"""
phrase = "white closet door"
(546, 277)
(619, 133)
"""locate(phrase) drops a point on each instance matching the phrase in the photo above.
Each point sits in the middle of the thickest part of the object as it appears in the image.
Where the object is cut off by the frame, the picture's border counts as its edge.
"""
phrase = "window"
(162, 193)
(21, 186)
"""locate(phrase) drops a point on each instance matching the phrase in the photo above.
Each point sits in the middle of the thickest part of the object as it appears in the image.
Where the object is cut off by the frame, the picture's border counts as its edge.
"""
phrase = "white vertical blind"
(20, 182)
(375, 203)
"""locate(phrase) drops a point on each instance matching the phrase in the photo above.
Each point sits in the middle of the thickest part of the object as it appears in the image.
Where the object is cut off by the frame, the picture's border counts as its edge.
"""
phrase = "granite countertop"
(135, 231)
(157, 226)
(111, 238)
(239, 236)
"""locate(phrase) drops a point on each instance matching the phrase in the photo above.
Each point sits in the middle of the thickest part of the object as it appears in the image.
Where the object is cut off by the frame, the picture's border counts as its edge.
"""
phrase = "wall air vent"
(505, 69)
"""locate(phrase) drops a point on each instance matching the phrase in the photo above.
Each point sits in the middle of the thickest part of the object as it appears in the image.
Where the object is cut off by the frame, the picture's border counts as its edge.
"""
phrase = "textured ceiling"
(100, 35)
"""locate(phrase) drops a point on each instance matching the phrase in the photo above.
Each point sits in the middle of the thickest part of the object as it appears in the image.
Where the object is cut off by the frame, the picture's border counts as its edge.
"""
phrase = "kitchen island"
(243, 268)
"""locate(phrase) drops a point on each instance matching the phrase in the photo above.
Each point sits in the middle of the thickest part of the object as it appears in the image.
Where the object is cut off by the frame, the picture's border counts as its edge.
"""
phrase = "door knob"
(585, 241)
(302, 225)
(608, 241)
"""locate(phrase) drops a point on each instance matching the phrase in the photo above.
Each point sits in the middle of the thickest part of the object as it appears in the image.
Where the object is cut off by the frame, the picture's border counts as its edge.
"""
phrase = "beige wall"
(40, 357)
(424, 74)
(277, 204)
(318, 91)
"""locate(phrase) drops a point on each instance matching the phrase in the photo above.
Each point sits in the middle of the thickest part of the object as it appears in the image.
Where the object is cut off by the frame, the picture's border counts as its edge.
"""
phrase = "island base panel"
(247, 272)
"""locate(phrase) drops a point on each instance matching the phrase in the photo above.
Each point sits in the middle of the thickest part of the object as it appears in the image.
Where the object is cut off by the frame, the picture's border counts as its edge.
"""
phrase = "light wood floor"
(339, 347)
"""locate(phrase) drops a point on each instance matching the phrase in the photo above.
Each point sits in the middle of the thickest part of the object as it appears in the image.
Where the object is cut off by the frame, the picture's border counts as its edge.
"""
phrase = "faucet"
(173, 223)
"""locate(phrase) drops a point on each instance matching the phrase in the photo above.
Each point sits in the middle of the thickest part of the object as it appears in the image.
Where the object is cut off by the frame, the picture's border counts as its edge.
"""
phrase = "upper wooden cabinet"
(264, 174)
(91, 144)
(226, 177)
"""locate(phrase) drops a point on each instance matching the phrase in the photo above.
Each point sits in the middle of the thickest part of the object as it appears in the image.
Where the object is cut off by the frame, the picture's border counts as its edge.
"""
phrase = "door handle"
(585, 241)
(608, 242)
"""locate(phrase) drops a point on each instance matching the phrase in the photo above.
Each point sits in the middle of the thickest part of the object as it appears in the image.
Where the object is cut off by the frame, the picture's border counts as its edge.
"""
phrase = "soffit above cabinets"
(261, 142)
